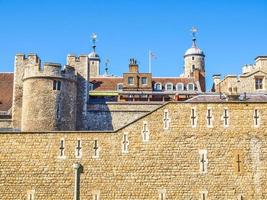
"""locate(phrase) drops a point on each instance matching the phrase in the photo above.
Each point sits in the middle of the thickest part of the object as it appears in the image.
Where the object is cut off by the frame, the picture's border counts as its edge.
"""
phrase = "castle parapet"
(50, 70)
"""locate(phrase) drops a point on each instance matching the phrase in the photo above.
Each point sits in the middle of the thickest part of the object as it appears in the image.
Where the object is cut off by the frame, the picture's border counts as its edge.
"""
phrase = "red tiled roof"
(106, 83)
(6, 91)
(110, 83)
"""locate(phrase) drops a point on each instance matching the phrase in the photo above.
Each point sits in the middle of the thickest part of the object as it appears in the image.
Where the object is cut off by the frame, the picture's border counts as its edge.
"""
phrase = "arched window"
(119, 86)
(169, 86)
(179, 86)
(190, 87)
(193, 58)
(158, 87)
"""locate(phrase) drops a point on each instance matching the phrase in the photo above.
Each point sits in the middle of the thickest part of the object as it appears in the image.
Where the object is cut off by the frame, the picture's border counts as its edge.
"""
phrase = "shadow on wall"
(99, 117)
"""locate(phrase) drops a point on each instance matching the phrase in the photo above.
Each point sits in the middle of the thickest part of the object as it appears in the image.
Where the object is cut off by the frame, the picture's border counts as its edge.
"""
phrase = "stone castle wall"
(169, 162)
(112, 116)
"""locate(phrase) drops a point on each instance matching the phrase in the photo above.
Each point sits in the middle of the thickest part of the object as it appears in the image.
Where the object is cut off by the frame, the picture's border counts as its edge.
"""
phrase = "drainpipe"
(77, 167)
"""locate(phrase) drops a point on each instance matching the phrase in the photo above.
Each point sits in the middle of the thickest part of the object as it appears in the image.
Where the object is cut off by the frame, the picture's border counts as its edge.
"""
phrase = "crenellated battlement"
(74, 59)
(50, 70)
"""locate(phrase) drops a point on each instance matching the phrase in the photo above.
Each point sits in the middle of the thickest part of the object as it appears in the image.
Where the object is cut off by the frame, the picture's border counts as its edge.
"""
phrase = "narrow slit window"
(62, 148)
(79, 149)
(96, 149)
(256, 118)
(209, 118)
(166, 120)
(145, 132)
(193, 117)
(225, 118)
(203, 161)
(125, 143)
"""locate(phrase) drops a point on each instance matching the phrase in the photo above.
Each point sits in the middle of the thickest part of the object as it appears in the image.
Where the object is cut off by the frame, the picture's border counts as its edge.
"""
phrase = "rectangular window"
(144, 80)
(209, 118)
(56, 85)
(256, 118)
(225, 117)
(258, 83)
(169, 87)
(130, 80)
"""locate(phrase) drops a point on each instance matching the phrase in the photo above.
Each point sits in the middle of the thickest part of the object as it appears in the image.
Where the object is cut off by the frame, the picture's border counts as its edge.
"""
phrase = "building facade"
(252, 80)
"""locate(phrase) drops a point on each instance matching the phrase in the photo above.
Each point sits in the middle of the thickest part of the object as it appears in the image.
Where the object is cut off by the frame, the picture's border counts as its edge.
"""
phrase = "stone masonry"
(168, 165)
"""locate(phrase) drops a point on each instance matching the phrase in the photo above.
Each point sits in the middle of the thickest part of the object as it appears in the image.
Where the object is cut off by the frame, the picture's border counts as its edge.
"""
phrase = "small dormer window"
(180, 87)
(91, 86)
(158, 87)
(190, 87)
(144, 80)
(119, 86)
(56, 85)
(130, 80)
(169, 87)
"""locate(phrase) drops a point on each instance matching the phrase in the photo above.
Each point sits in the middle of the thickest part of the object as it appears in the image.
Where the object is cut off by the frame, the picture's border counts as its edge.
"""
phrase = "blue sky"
(231, 32)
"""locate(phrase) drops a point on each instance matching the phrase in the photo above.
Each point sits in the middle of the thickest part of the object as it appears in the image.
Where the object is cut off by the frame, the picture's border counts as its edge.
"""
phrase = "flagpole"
(149, 61)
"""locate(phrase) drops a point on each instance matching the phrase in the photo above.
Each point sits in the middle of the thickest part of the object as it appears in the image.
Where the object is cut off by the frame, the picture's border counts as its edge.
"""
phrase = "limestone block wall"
(168, 162)
(112, 116)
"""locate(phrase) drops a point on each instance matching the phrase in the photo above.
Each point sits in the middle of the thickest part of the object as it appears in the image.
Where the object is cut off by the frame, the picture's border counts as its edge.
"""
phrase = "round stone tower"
(194, 58)
(49, 98)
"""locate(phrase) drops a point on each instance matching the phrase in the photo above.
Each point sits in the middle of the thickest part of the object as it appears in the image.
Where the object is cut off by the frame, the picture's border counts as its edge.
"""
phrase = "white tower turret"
(194, 58)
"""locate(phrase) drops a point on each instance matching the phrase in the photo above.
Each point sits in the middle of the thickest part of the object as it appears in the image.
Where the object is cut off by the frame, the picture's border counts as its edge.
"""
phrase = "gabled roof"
(6, 91)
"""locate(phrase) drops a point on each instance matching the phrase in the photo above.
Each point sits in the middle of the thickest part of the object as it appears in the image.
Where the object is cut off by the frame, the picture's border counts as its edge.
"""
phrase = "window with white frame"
(158, 87)
(203, 195)
(145, 132)
(96, 149)
(162, 194)
(203, 161)
(130, 80)
(225, 117)
(119, 86)
(209, 118)
(62, 148)
(179, 86)
(30, 194)
(166, 120)
(78, 149)
(190, 87)
(259, 83)
(125, 143)
(144, 80)
(256, 118)
(169, 87)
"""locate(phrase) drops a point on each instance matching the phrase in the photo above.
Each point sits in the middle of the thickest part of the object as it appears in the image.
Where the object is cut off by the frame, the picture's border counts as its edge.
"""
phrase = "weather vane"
(194, 31)
(93, 37)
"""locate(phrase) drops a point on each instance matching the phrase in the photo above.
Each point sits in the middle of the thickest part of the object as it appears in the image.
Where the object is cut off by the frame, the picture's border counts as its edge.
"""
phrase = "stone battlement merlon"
(50, 70)
(31, 58)
(73, 58)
